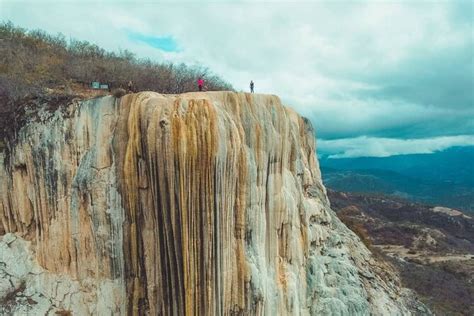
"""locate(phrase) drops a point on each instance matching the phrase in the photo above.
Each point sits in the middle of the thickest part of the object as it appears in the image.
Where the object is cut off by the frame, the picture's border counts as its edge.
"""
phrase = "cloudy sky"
(375, 77)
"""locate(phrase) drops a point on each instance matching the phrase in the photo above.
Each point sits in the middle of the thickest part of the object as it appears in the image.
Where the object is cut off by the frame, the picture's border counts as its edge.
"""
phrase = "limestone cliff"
(197, 204)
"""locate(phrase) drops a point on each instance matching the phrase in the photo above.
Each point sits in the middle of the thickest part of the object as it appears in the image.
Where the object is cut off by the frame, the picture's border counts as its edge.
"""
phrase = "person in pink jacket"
(200, 83)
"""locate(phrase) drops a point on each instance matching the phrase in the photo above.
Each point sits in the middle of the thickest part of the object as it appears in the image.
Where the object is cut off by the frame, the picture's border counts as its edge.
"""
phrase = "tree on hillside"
(32, 61)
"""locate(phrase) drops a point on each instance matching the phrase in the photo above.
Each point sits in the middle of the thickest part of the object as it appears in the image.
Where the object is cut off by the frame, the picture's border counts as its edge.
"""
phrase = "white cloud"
(384, 147)
(374, 68)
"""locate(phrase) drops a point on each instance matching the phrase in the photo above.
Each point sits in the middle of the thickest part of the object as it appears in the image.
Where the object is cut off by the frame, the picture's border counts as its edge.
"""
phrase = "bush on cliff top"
(33, 61)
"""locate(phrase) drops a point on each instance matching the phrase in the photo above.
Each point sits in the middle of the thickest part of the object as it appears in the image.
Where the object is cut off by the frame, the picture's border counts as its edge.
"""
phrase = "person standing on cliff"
(251, 86)
(200, 83)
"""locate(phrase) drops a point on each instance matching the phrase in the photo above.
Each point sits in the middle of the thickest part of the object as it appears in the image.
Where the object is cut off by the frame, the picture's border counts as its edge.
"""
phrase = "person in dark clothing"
(130, 86)
(251, 86)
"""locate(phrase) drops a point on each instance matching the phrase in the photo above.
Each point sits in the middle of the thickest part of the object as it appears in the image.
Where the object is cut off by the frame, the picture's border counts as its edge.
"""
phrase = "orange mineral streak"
(193, 156)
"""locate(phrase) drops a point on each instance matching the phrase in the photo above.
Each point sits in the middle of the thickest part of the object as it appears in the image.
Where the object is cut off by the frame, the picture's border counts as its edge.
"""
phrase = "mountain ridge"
(444, 178)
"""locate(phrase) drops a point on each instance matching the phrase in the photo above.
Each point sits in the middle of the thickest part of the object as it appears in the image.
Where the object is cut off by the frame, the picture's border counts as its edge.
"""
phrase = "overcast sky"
(391, 77)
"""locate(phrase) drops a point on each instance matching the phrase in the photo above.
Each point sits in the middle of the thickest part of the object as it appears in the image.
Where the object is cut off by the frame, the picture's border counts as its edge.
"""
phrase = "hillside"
(38, 69)
(431, 247)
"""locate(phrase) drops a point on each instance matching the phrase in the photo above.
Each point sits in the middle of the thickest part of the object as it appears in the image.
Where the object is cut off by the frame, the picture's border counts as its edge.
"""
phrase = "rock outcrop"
(198, 204)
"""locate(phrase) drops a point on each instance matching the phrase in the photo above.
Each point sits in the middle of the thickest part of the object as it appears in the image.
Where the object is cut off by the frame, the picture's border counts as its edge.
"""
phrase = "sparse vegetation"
(446, 292)
(8, 301)
(387, 224)
(347, 217)
(118, 93)
(34, 64)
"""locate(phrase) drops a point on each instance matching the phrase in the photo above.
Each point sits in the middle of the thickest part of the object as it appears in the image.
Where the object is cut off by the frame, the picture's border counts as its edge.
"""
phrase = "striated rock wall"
(198, 204)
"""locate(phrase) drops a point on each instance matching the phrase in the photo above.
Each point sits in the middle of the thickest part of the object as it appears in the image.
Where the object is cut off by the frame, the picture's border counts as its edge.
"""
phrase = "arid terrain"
(431, 247)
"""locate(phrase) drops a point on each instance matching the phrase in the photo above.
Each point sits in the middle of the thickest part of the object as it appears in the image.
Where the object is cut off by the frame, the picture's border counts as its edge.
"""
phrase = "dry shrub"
(118, 93)
(31, 62)
(356, 226)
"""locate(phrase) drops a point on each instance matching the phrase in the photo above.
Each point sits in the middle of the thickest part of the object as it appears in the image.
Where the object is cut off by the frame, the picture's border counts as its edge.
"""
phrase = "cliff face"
(201, 203)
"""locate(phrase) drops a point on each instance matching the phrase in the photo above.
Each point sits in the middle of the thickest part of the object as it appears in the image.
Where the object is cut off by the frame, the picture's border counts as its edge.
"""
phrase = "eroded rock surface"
(199, 204)
(28, 289)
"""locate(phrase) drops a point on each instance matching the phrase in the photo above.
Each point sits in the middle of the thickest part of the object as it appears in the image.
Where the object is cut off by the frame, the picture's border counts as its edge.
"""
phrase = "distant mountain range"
(443, 178)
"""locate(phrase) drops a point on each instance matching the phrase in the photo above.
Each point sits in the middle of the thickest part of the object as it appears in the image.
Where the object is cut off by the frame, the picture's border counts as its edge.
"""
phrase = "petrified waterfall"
(194, 204)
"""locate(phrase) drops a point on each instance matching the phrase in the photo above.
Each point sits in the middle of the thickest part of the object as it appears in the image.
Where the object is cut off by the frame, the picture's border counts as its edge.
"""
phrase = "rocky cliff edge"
(199, 204)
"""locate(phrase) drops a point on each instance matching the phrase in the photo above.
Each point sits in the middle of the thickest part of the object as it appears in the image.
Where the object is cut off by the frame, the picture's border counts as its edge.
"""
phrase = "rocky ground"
(431, 247)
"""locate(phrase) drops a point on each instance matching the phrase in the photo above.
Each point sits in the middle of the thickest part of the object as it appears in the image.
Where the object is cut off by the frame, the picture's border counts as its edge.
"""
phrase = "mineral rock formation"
(197, 204)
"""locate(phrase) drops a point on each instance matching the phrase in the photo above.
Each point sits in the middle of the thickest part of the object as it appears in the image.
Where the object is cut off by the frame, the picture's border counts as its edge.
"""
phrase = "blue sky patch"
(164, 43)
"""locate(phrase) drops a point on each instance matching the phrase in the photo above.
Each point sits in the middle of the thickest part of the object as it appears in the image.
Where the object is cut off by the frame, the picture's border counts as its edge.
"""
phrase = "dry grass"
(36, 64)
